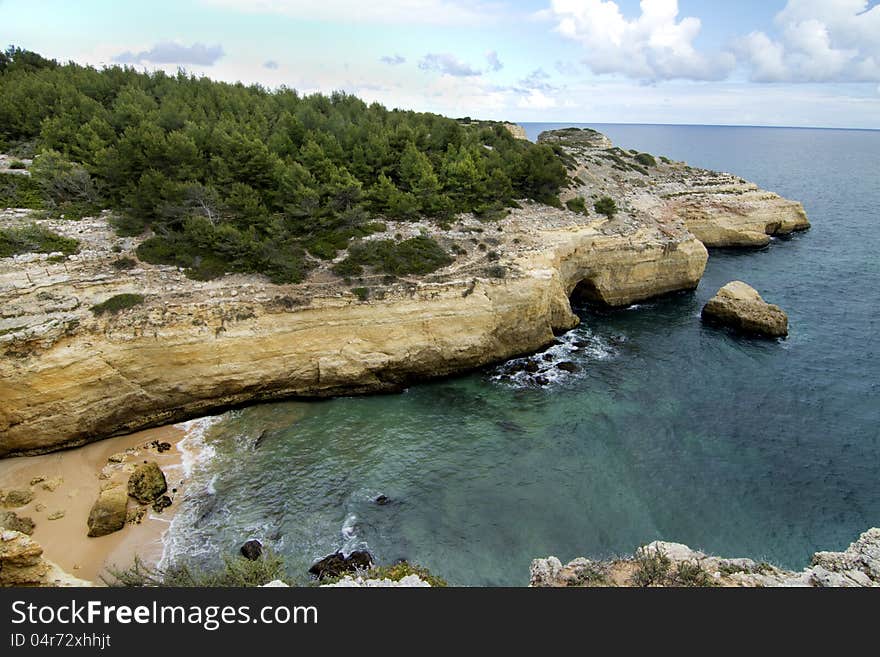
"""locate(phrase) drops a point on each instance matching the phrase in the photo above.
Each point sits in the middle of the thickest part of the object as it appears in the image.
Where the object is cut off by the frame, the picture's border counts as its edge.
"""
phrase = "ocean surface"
(671, 430)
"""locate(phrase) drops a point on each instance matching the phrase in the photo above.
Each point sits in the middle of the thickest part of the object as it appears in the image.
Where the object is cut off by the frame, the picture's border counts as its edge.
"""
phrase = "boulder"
(108, 513)
(147, 482)
(740, 307)
(16, 498)
(11, 520)
(22, 563)
(337, 564)
(252, 550)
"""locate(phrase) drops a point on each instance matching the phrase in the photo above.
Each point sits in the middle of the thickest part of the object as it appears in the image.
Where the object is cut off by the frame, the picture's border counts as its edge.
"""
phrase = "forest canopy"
(232, 177)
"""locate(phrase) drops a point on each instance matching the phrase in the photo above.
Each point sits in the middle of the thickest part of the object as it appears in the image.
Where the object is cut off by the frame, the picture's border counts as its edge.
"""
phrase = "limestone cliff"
(674, 564)
(69, 376)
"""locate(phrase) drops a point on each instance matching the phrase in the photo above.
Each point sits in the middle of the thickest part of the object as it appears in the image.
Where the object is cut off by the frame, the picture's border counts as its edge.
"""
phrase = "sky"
(750, 62)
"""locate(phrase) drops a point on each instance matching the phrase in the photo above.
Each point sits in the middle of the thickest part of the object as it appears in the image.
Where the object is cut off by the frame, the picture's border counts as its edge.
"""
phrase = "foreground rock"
(338, 564)
(22, 564)
(674, 564)
(740, 307)
(11, 520)
(68, 376)
(109, 512)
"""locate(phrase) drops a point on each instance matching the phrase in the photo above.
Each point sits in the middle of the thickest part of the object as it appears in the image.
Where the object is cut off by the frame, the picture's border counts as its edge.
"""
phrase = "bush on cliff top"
(34, 239)
(118, 303)
(235, 572)
(268, 175)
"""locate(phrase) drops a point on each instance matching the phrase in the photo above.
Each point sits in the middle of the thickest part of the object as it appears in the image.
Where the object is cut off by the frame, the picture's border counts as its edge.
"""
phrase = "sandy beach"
(74, 476)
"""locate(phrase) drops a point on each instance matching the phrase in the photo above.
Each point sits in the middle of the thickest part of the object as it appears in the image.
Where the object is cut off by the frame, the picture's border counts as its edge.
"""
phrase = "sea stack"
(739, 306)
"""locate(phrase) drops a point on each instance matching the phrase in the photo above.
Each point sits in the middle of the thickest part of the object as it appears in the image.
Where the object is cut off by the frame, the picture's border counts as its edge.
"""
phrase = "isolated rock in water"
(11, 520)
(147, 483)
(338, 564)
(252, 550)
(16, 498)
(382, 500)
(740, 307)
(109, 512)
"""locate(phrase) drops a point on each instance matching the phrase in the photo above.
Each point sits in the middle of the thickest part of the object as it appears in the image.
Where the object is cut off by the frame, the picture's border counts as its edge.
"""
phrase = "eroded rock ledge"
(68, 376)
(674, 564)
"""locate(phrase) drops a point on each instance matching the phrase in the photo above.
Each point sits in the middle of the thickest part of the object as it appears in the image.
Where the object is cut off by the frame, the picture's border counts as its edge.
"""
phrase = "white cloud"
(169, 52)
(495, 64)
(820, 41)
(430, 12)
(536, 100)
(654, 46)
(393, 60)
(447, 64)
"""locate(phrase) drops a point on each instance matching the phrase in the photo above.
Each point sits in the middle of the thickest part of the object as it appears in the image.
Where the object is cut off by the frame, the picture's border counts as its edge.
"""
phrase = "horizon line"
(699, 125)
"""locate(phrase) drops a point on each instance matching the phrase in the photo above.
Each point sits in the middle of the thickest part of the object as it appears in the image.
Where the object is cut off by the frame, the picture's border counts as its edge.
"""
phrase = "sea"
(669, 430)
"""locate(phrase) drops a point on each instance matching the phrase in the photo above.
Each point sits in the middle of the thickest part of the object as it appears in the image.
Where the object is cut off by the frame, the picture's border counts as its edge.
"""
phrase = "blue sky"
(788, 62)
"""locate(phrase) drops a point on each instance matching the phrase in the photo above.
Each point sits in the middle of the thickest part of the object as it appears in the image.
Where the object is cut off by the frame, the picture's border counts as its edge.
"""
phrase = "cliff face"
(68, 376)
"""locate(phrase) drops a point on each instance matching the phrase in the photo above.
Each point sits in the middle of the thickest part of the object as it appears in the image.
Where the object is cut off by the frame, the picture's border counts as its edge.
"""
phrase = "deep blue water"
(671, 430)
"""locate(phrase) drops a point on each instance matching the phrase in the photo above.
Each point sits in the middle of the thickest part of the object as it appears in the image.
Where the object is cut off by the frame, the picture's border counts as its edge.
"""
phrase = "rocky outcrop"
(674, 564)
(22, 564)
(338, 564)
(68, 376)
(11, 520)
(109, 511)
(516, 130)
(739, 306)
(147, 483)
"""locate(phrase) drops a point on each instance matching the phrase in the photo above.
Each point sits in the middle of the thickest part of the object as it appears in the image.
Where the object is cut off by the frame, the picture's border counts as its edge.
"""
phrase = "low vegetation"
(235, 572)
(606, 206)
(34, 239)
(579, 205)
(118, 303)
(655, 568)
(646, 159)
(418, 255)
(235, 178)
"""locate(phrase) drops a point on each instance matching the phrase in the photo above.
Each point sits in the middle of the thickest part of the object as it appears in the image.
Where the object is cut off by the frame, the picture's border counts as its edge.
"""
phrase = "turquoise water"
(669, 430)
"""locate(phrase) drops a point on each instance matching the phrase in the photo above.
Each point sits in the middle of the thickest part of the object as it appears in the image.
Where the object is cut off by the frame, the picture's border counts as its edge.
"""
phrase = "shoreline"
(64, 540)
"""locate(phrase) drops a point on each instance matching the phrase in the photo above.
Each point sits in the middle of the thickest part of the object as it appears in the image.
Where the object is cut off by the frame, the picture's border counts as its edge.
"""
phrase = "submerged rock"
(337, 564)
(252, 550)
(108, 513)
(147, 482)
(382, 500)
(740, 307)
(567, 366)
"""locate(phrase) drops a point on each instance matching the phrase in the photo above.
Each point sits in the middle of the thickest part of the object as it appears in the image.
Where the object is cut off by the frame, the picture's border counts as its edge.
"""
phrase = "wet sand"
(64, 540)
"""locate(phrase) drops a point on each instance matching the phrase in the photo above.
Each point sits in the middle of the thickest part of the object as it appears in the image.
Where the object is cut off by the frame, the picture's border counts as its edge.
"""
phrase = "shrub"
(646, 159)
(17, 191)
(496, 271)
(606, 206)
(652, 568)
(418, 255)
(34, 239)
(123, 264)
(118, 303)
(362, 293)
(17, 164)
(403, 569)
(578, 204)
(235, 572)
